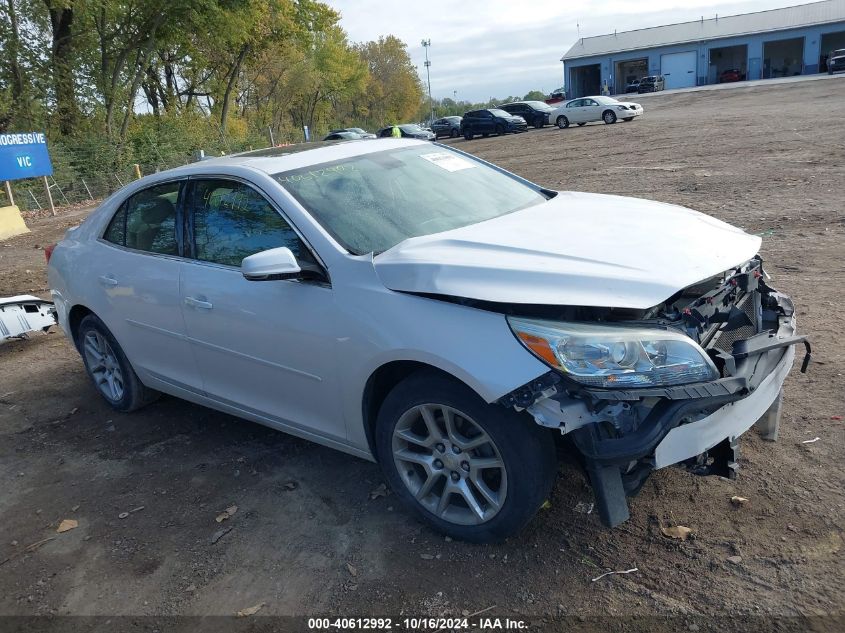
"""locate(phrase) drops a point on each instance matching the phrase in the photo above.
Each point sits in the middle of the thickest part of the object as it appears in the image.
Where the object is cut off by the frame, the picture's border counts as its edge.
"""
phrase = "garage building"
(763, 45)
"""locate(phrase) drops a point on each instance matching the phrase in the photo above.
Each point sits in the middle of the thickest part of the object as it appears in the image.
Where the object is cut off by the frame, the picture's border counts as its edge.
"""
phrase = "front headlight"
(613, 356)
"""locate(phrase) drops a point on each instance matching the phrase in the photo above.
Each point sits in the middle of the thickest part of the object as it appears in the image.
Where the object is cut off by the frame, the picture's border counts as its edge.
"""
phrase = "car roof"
(273, 160)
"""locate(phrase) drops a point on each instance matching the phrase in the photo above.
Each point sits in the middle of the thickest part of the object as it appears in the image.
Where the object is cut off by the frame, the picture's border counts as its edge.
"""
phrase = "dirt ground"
(308, 538)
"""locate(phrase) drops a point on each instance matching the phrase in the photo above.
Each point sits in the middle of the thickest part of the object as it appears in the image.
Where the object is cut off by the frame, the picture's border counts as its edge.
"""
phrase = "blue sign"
(24, 155)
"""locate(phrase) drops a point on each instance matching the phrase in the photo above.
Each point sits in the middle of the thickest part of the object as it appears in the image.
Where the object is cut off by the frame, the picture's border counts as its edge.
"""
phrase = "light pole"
(426, 44)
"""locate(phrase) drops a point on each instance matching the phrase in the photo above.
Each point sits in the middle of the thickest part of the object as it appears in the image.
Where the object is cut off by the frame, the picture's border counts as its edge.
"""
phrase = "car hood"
(577, 249)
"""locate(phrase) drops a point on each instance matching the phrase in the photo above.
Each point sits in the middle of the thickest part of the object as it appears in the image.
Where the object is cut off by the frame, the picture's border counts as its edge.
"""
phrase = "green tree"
(534, 95)
(395, 91)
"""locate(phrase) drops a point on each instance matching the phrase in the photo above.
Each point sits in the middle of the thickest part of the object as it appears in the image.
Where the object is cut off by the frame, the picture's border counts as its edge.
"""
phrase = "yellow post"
(9, 195)
(11, 222)
(137, 168)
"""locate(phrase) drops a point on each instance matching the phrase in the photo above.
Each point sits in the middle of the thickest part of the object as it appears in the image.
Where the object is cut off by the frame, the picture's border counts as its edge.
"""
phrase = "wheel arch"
(74, 318)
(383, 380)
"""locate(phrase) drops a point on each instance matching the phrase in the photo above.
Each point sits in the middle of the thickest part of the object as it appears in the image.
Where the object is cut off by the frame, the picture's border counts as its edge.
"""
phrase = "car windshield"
(838, 53)
(411, 128)
(498, 112)
(371, 202)
(357, 130)
(539, 105)
(606, 100)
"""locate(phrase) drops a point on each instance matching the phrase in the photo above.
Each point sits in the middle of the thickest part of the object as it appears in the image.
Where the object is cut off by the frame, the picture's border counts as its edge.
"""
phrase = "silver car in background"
(590, 109)
(411, 304)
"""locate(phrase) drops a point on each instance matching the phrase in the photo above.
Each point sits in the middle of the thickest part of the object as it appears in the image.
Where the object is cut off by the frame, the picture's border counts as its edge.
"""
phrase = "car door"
(574, 111)
(138, 277)
(590, 111)
(265, 347)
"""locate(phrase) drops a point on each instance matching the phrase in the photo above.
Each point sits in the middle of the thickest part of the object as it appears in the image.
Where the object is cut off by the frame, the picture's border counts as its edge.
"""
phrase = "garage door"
(678, 69)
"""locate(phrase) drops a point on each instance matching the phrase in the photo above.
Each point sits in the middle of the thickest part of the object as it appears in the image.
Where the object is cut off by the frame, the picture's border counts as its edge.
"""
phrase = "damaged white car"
(414, 305)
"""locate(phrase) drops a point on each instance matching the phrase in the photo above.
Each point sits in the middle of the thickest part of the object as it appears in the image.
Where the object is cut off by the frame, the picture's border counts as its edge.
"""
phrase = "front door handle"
(198, 303)
(108, 281)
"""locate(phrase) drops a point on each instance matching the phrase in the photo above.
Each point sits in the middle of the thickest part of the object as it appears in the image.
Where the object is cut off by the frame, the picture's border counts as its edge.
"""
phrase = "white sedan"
(587, 109)
(414, 305)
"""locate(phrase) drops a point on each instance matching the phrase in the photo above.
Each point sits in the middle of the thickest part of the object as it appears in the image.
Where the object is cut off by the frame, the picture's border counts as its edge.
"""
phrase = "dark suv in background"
(535, 113)
(491, 121)
(652, 83)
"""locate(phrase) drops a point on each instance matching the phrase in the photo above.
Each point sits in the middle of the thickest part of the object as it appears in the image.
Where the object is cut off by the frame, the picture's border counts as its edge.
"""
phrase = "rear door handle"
(108, 281)
(198, 303)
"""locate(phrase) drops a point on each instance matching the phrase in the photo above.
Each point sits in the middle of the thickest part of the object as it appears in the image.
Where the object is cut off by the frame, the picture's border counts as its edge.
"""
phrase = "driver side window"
(231, 220)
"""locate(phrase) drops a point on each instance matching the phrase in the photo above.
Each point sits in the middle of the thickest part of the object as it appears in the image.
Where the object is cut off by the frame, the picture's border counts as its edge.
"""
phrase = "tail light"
(48, 252)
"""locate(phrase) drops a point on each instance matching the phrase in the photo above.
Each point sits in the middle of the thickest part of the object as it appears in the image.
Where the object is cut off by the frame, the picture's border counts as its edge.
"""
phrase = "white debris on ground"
(23, 314)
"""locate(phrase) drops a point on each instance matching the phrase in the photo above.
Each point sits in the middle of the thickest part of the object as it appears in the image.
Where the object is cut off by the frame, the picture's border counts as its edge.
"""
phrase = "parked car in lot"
(362, 133)
(731, 75)
(556, 96)
(535, 113)
(583, 111)
(652, 83)
(417, 306)
(408, 130)
(491, 121)
(633, 86)
(836, 61)
(447, 126)
(343, 135)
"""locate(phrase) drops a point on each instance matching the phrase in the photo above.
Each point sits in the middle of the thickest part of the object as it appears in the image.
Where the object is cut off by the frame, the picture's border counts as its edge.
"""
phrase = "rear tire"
(492, 486)
(109, 369)
(468, 136)
(562, 122)
(609, 117)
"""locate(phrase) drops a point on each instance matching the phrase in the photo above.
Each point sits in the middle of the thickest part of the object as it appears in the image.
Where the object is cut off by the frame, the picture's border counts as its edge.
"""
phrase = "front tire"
(500, 130)
(628, 118)
(539, 122)
(474, 471)
(609, 117)
(582, 124)
(562, 122)
(453, 134)
(109, 369)
(468, 136)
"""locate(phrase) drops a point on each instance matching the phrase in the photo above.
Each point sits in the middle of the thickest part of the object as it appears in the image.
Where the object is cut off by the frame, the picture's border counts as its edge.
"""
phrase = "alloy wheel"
(104, 366)
(449, 464)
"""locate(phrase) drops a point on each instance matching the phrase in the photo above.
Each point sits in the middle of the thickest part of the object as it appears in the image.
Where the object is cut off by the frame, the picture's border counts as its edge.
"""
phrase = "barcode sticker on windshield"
(448, 161)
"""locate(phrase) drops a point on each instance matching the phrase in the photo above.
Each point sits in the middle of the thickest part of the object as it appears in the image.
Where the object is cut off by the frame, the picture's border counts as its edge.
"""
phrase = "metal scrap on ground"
(608, 573)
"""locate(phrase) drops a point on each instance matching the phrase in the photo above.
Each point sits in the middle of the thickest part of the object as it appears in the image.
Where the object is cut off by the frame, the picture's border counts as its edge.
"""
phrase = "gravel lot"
(309, 538)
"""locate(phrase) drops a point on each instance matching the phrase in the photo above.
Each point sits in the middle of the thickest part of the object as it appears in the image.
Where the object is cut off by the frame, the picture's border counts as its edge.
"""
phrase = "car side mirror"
(276, 263)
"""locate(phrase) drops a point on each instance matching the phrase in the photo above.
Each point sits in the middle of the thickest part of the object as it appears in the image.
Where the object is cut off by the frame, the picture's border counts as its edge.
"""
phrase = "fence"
(94, 170)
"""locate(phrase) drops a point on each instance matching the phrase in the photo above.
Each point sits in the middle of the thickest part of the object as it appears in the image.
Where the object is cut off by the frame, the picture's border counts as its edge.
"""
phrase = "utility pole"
(426, 44)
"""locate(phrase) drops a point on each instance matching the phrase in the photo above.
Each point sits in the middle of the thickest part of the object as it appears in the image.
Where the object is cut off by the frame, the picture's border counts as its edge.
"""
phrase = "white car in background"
(414, 305)
(587, 109)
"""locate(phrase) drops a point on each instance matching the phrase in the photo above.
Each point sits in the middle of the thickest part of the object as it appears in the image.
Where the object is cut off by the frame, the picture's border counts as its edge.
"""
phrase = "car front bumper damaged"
(624, 435)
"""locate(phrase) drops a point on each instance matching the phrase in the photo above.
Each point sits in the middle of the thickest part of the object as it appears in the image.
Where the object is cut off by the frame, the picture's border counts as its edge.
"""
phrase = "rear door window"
(147, 221)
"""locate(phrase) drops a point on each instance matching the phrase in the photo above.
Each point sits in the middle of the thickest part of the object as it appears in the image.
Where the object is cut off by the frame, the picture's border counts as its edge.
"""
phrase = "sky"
(496, 48)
